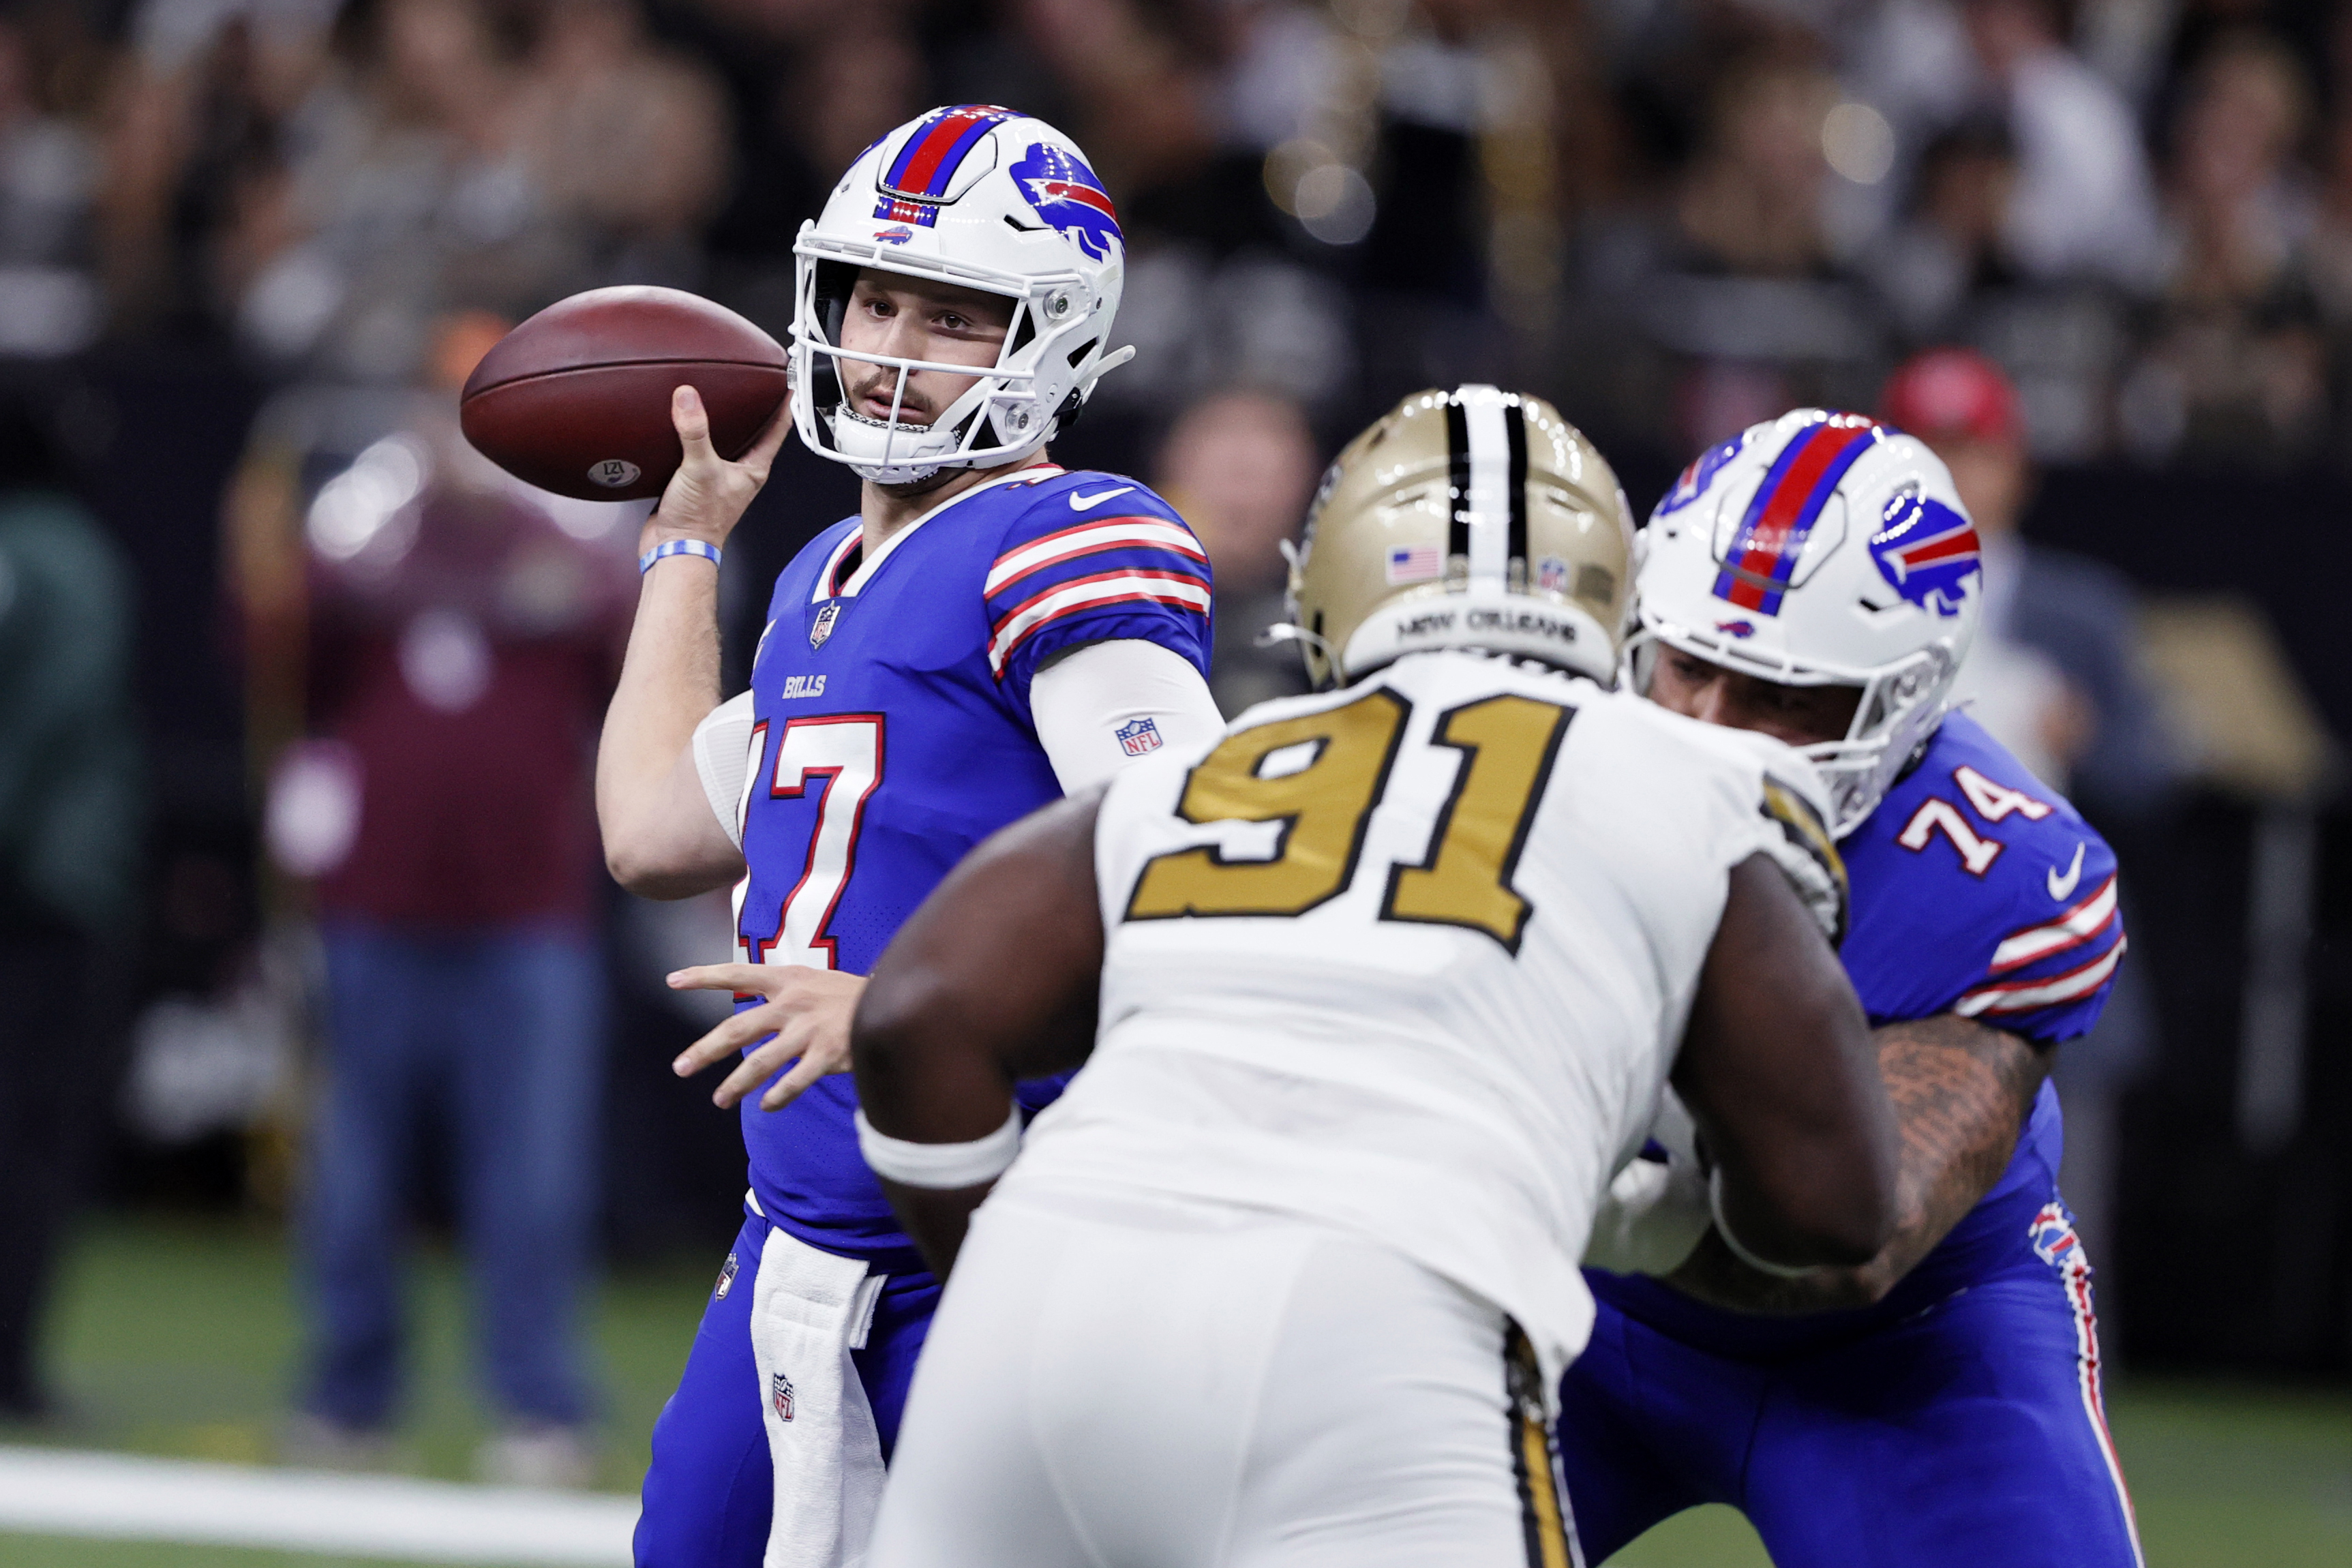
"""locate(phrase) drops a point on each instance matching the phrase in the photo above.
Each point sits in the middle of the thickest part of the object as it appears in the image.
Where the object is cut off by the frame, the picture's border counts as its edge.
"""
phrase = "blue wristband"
(677, 547)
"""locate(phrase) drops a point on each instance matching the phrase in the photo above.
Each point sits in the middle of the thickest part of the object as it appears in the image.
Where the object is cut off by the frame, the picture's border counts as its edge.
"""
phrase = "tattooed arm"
(1961, 1091)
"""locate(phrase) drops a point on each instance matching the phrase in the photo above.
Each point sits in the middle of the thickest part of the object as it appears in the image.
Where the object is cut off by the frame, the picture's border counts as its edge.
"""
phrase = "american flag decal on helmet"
(891, 209)
(1761, 559)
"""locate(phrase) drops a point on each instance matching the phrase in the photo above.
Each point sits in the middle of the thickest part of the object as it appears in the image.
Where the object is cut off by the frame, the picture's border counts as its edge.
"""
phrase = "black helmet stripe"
(1515, 428)
(1457, 446)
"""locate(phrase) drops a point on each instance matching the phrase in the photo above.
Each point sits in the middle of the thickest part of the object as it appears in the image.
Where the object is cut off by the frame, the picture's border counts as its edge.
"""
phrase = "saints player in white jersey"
(1380, 990)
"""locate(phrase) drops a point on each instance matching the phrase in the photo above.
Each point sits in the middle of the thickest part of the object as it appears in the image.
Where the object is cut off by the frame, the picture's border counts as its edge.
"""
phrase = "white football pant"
(1147, 1382)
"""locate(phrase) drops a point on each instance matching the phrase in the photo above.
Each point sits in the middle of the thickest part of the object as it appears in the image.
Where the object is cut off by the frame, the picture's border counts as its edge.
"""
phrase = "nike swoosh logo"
(1082, 503)
(2062, 888)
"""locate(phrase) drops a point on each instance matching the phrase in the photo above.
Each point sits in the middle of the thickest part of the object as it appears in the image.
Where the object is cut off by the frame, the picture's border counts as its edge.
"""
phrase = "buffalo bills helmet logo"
(2052, 1235)
(1926, 552)
(1736, 629)
(1067, 194)
(1693, 481)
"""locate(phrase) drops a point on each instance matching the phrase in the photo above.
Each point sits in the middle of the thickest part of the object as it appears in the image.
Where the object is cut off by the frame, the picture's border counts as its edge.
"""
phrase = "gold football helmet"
(1476, 517)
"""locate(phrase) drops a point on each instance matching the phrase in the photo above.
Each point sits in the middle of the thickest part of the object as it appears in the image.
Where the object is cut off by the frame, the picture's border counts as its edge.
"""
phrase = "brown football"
(576, 400)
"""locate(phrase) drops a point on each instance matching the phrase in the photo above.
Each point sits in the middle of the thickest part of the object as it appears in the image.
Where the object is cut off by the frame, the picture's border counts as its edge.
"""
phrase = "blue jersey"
(892, 733)
(1977, 890)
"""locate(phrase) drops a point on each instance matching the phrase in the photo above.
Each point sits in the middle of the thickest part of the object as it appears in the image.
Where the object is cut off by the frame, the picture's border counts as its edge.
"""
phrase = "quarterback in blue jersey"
(1816, 579)
(988, 633)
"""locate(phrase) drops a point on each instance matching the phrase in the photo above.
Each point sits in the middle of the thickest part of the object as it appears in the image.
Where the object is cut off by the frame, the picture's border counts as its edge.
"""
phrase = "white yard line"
(52, 1491)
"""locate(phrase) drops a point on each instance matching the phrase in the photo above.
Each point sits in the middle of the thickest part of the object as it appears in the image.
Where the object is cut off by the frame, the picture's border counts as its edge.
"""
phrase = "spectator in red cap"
(2055, 675)
(2053, 620)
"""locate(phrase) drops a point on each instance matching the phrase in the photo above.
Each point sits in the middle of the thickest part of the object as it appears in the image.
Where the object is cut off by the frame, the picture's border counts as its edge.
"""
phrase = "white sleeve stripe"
(1110, 534)
(2075, 927)
(2024, 997)
(1088, 594)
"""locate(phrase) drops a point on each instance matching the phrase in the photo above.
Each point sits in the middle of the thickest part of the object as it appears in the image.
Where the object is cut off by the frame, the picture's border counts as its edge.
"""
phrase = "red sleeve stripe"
(1088, 539)
(2073, 929)
(1020, 623)
(2025, 995)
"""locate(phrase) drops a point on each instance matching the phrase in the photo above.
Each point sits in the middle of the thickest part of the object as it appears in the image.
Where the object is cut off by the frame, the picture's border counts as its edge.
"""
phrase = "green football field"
(180, 1338)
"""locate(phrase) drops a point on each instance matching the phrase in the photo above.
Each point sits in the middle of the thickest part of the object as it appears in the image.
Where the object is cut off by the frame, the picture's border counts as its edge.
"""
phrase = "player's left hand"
(807, 1011)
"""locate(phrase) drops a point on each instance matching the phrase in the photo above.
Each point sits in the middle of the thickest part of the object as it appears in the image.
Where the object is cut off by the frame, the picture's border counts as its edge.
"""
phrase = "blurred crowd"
(1675, 216)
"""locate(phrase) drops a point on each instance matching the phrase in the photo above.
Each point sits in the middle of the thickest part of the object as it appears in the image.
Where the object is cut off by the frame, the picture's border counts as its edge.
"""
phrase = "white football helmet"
(1821, 549)
(985, 198)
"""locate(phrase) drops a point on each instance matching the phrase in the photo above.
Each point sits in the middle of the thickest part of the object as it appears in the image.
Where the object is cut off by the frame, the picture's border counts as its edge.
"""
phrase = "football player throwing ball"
(989, 631)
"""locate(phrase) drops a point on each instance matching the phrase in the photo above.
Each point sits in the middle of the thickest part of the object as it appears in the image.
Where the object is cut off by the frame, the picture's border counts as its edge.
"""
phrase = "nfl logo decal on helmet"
(980, 197)
(1822, 549)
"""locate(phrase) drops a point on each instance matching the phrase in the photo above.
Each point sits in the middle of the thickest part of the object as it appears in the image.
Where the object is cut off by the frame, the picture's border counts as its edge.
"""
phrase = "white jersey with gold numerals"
(1413, 960)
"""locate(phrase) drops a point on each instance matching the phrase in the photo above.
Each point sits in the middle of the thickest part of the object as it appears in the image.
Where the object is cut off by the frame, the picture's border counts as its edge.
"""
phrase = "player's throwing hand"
(705, 498)
(806, 1012)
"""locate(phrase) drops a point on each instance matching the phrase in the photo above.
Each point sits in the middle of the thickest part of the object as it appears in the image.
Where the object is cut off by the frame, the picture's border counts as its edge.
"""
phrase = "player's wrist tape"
(677, 547)
(939, 1165)
(1722, 1229)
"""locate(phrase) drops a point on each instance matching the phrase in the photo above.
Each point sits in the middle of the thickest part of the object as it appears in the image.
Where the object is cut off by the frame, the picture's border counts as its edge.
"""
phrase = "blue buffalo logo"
(899, 236)
(1693, 481)
(2052, 1233)
(1926, 552)
(1736, 629)
(1068, 197)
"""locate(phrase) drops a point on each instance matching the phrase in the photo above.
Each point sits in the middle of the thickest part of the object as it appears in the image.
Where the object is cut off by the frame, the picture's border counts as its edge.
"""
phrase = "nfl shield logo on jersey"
(822, 628)
(1140, 736)
(780, 1389)
(726, 1279)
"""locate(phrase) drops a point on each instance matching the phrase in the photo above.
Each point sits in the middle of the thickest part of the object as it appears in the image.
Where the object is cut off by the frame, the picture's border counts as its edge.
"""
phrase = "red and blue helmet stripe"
(1763, 553)
(927, 161)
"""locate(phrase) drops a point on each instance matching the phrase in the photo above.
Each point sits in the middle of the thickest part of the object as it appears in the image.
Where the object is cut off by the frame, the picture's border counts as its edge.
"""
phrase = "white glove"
(1653, 1213)
(1651, 1219)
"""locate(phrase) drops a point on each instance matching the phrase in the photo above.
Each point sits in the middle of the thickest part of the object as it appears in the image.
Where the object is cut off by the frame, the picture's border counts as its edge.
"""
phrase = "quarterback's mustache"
(880, 383)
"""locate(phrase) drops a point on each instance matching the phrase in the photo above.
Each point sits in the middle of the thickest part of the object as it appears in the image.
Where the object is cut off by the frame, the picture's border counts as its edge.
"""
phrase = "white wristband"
(939, 1165)
(1722, 1229)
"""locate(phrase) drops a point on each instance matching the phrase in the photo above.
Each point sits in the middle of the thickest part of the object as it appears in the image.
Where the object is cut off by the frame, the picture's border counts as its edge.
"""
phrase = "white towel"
(809, 1310)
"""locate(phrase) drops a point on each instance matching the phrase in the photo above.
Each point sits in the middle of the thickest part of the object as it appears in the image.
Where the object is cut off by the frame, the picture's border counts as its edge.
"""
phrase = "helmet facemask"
(1898, 710)
(1052, 350)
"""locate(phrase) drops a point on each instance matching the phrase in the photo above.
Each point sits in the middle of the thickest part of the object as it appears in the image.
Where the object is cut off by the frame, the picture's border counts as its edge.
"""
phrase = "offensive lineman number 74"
(1507, 746)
